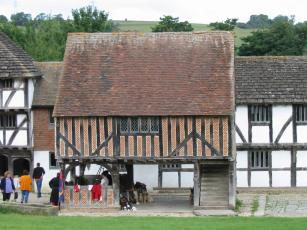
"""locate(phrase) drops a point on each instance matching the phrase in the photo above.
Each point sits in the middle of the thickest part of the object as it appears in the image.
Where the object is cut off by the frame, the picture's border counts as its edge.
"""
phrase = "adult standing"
(54, 185)
(25, 182)
(7, 186)
(38, 174)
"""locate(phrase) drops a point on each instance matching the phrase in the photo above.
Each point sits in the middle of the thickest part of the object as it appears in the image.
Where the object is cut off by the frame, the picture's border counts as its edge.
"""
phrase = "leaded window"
(8, 121)
(259, 159)
(134, 125)
(124, 125)
(260, 113)
(8, 83)
(301, 113)
(142, 125)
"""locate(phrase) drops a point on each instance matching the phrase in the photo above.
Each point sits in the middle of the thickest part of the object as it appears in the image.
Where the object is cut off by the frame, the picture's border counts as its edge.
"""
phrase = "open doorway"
(19, 165)
(3, 164)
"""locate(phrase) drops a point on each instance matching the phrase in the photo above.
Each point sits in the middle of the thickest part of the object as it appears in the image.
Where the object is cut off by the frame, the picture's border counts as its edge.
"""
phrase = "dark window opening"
(7, 83)
(124, 125)
(51, 118)
(301, 113)
(260, 113)
(53, 163)
(144, 125)
(134, 125)
(260, 159)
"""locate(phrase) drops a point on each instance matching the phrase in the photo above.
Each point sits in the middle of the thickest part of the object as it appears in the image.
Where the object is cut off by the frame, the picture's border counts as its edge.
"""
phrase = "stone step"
(214, 212)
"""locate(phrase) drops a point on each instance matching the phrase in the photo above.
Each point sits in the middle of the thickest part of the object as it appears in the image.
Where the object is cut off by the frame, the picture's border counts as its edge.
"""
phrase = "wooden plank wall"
(181, 137)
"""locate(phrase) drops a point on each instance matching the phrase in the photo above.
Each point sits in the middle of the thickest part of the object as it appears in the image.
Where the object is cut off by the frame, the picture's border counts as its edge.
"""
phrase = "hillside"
(145, 26)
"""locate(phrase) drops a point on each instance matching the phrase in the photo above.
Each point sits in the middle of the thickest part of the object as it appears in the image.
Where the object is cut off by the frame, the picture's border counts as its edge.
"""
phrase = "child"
(25, 182)
(96, 191)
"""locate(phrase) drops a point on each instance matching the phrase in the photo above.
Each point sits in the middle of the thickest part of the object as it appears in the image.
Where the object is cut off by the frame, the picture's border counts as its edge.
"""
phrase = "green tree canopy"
(283, 38)
(90, 19)
(3, 19)
(21, 19)
(170, 24)
(227, 25)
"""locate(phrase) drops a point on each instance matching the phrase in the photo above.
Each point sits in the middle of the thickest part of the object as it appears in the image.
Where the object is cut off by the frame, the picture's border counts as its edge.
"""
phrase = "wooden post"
(196, 184)
(115, 177)
(232, 184)
(160, 176)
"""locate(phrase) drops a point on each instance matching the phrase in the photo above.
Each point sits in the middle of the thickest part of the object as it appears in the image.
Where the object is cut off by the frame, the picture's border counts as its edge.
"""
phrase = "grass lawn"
(16, 222)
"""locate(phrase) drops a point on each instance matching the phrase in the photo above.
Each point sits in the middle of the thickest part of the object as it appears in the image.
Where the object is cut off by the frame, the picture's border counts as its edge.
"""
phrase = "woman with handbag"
(7, 186)
(25, 182)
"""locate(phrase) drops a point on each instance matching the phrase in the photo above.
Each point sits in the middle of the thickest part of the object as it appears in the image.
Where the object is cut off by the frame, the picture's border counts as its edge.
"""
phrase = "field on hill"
(19, 222)
(145, 26)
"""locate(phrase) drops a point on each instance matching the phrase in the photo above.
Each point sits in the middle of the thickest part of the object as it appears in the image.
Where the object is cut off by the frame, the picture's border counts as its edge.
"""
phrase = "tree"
(21, 19)
(170, 24)
(3, 19)
(90, 19)
(41, 17)
(227, 25)
(259, 21)
(283, 38)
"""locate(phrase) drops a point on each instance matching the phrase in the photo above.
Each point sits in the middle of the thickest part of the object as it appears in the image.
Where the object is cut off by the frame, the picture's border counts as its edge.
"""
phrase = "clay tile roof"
(135, 74)
(46, 88)
(271, 79)
(14, 62)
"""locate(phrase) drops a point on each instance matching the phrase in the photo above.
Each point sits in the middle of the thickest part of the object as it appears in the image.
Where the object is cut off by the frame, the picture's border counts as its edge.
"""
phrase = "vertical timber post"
(196, 184)
(115, 177)
(232, 184)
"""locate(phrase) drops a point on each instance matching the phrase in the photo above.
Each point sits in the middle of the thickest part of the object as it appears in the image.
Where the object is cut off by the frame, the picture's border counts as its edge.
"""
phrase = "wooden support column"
(293, 167)
(82, 169)
(232, 185)
(115, 177)
(160, 176)
(197, 179)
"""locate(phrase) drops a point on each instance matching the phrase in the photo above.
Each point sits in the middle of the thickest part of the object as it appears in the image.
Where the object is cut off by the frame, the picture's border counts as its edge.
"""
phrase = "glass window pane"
(144, 125)
(134, 125)
(124, 125)
(154, 125)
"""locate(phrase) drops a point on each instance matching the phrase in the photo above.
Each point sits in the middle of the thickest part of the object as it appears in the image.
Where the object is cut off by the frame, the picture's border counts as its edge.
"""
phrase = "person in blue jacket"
(7, 186)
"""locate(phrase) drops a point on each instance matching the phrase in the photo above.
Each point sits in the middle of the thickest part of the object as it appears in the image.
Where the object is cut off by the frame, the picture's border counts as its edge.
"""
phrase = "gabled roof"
(271, 79)
(46, 87)
(14, 62)
(134, 74)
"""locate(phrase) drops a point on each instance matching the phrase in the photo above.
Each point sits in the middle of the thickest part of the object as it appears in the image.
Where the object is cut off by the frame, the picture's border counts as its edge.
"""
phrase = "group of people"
(8, 187)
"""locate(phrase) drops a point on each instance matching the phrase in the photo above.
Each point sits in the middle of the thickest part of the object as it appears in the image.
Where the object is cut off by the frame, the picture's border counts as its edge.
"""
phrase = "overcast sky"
(202, 11)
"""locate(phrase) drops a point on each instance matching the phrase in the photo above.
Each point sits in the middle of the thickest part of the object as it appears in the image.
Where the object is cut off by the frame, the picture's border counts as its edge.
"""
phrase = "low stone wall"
(30, 209)
(83, 199)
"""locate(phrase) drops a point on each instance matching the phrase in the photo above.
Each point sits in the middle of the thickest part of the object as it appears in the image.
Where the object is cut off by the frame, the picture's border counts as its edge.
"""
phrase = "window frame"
(5, 81)
(4, 121)
(264, 113)
(139, 131)
(262, 161)
(296, 108)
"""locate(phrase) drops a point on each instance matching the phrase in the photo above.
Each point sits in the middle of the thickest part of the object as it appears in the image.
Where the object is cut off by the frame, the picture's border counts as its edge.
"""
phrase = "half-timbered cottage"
(271, 118)
(45, 92)
(150, 98)
(17, 76)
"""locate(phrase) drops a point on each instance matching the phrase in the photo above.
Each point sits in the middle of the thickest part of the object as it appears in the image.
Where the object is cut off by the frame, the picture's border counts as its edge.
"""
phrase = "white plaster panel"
(18, 99)
(301, 178)
(281, 178)
(187, 179)
(147, 174)
(242, 121)
(242, 180)
(8, 134)
(260, 179)
(170, 180)
(18, 83)
(280, 115)
(187, 166)
(42, 157)
(21, 138)
(301, 159)
(260, 134)
(1, 135)
(20, 118)
(30, 92)
(301, 134)
(5, 95)
(281, 159)
(242, 159)
(238, 139)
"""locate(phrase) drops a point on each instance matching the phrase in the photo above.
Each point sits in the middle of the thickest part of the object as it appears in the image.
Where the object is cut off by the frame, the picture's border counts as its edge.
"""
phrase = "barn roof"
(46, 87)
(134, 74)
(271, 79)
(14, 62)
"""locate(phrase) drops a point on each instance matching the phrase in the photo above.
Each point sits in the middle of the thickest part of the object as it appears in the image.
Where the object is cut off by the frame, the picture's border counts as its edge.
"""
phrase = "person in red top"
(96, 191)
